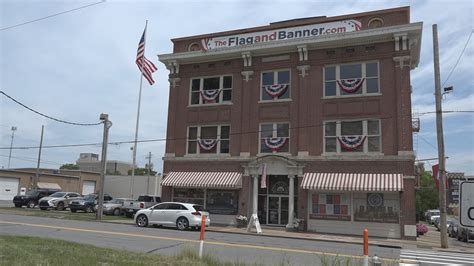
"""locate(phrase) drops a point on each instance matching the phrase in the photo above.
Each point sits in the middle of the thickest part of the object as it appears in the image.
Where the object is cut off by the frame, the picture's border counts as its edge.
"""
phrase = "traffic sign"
(466, 203)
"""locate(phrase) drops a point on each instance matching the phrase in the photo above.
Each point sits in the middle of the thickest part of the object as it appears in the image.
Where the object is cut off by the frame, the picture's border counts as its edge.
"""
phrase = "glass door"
(284, 210)
(273, 210)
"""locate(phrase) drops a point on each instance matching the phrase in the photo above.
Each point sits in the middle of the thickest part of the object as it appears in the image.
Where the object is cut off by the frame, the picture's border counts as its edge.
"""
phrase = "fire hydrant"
(376, 261)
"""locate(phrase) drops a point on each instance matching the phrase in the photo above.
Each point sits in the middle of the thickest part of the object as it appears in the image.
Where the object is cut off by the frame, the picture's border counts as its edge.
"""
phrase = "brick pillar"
(407, 207)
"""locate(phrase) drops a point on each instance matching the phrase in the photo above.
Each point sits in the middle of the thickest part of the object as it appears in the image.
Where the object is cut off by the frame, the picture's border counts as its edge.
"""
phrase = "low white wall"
(388, 230)
(119, 186)
(222, 219)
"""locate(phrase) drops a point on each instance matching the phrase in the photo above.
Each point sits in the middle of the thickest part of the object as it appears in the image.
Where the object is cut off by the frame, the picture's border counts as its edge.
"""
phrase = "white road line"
(437, 257)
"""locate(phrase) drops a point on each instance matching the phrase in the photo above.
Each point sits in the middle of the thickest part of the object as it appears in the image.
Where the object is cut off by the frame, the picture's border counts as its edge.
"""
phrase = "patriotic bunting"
(350, 143)
(350, 85)
(276, 91)
(275, 143)
(207, 144)
(210, 96)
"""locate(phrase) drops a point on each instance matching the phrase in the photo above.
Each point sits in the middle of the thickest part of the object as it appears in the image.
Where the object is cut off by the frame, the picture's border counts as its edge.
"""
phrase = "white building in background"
(91, 162)
(118, 186)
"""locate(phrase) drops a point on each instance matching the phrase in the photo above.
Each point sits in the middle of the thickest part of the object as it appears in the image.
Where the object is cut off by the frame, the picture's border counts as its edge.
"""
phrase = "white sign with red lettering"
(282, 34)
(466, 204)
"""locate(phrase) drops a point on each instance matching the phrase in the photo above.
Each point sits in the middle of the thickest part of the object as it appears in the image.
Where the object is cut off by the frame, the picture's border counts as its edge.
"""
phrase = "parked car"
(437, 222)
(113, 207)
(31, 198)
(87, 203)
(59, 200)
(453, 226)
(465, 234)
(175, 214)
(432, 214)
(130, 207)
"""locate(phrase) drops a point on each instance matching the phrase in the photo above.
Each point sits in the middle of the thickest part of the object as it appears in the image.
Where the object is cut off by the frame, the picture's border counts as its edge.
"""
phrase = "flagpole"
(136, 129)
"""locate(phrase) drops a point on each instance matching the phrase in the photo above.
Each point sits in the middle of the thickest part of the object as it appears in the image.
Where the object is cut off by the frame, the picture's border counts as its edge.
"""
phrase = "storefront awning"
(45, 185)
(232, 180)
(353, 182)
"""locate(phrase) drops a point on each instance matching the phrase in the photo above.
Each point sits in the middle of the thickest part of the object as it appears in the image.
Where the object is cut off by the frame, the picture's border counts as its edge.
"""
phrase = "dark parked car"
(453, 228)
(87, 203)
(465, 234)
(31, 198)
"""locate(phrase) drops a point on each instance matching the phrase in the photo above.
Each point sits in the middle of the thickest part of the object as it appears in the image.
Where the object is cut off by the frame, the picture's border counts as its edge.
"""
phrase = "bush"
(421, 229)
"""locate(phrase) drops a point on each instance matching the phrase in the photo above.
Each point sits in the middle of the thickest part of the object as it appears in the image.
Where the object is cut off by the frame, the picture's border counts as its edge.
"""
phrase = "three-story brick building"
(322, 103)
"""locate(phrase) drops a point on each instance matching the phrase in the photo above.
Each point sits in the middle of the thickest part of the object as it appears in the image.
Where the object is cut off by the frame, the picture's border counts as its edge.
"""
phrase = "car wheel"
(31, 204)
(73, 210)
(142, 220)
(18, 205)
(117, 212)
(43, 209)
(60, 206)
(182, 223)
(89, 209)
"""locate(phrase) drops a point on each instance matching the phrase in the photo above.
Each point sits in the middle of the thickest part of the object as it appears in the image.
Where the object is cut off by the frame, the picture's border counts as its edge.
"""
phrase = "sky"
(79, 64)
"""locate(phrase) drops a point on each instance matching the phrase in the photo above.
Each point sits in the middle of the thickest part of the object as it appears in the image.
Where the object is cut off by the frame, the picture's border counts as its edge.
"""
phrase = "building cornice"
(368, 36)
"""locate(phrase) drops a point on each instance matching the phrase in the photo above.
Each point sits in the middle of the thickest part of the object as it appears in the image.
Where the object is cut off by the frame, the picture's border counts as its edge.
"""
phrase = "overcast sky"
(77, 65)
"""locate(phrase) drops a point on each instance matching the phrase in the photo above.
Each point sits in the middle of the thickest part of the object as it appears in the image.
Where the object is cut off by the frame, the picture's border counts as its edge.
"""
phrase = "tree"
(142, 171)
(427, 195)
(70, 166)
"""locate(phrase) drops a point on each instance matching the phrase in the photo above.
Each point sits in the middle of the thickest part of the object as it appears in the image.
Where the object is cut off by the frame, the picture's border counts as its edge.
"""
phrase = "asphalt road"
(224, 246)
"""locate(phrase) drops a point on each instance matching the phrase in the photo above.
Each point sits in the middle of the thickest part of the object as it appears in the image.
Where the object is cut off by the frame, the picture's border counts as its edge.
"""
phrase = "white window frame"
(274, 135)
(201, 86)
(275, 78)
(363, 75)
(364, 133)
(218, 145)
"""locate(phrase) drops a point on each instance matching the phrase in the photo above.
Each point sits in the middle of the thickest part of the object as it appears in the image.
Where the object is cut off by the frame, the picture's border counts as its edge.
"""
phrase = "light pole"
(11, 145)
(107, 125)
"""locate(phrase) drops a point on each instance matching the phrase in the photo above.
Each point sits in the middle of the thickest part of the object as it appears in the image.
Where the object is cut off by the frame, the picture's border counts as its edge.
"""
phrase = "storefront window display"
(189, 195)
(376, 207)
(330, 206)
(222, 201)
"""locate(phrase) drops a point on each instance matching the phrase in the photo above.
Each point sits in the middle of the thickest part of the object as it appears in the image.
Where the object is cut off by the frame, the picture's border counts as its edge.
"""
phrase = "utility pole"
(11, 145)
(107, 125)
(149, 171)
(439, 133)
(35, 182)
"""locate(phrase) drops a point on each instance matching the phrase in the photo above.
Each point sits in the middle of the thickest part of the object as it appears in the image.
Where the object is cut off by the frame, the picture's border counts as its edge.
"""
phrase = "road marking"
(302, 251)
(437, 257)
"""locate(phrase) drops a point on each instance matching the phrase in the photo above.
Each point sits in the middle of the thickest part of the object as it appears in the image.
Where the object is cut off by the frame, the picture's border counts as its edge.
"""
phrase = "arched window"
(375, 23)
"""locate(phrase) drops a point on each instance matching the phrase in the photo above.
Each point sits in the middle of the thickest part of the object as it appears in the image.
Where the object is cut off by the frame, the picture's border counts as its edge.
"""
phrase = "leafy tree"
(427, 196)
(70, 166)
(142, 171)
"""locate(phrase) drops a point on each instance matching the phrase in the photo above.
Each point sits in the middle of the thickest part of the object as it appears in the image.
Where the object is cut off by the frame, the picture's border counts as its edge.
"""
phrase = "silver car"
(175, 214)
(58, 200)
(113, 207)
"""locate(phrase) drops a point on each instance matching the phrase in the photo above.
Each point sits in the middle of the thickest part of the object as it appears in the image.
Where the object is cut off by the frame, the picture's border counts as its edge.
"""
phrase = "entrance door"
(277, 210)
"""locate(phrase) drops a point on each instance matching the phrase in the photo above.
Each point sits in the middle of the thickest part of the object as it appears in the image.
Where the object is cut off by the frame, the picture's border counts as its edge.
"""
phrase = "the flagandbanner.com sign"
(282, 34)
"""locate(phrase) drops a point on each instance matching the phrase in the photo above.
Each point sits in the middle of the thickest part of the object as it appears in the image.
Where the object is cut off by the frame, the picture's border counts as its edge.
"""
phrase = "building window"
(211, 90)
(376, 207)
(194, 47)
(208, 139)
(330, 206)
(375, 23)
(222, 201)
(275, 85)
(189, 195)
(352, 136)
(351, 79)
(274, 137)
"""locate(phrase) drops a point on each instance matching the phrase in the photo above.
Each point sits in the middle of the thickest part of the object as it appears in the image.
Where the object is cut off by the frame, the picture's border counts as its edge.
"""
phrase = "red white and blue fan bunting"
(350, 143)
(207, 144)
(210, 96)
(350, 85)
(276, 91)
(275, 143)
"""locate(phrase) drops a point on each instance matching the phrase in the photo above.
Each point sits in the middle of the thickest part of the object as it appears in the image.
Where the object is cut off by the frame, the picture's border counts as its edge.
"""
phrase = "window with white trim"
(211, 90)
(274, 137)
(208, 139)
(352, 136)
(275, 85)
(351, 79)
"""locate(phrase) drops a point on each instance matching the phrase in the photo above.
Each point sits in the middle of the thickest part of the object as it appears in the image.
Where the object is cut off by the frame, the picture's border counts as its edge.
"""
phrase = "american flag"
(145, 65)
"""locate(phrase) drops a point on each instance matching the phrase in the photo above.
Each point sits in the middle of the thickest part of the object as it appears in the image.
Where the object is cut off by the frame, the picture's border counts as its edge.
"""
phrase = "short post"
(201, 237)
(366, 247)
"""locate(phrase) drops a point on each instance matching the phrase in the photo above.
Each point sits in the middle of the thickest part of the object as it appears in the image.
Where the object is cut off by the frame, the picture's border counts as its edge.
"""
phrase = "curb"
(303, 238)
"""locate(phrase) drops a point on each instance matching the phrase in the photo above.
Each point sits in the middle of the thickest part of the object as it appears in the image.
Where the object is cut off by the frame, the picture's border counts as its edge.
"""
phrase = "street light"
(11, 145)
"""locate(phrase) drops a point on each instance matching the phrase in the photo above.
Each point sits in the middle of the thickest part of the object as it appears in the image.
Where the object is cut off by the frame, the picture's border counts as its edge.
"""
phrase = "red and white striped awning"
(232, 180)
(353, 182)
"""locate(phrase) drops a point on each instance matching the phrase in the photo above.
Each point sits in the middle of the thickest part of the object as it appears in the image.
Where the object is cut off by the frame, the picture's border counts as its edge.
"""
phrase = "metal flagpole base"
(254, 222)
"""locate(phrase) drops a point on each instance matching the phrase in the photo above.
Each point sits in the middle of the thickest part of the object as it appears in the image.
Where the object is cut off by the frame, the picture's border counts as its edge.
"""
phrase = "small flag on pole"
(144, 65)
(263, 182)
(437, 176)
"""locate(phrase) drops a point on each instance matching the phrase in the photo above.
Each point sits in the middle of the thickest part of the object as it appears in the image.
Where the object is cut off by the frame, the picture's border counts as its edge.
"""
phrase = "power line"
(50, 16)
(49, 117)
(459, 59)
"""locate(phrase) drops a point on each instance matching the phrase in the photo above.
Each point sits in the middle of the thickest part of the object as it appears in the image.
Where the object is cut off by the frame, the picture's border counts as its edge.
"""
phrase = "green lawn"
(59, 214)
(19, 250)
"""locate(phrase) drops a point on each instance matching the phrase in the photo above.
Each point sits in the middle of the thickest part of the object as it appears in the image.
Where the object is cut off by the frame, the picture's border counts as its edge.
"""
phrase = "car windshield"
(32, 193)
(198, 208)
(116, 201)
(58, 195)
(435, 213)
(90, 197)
